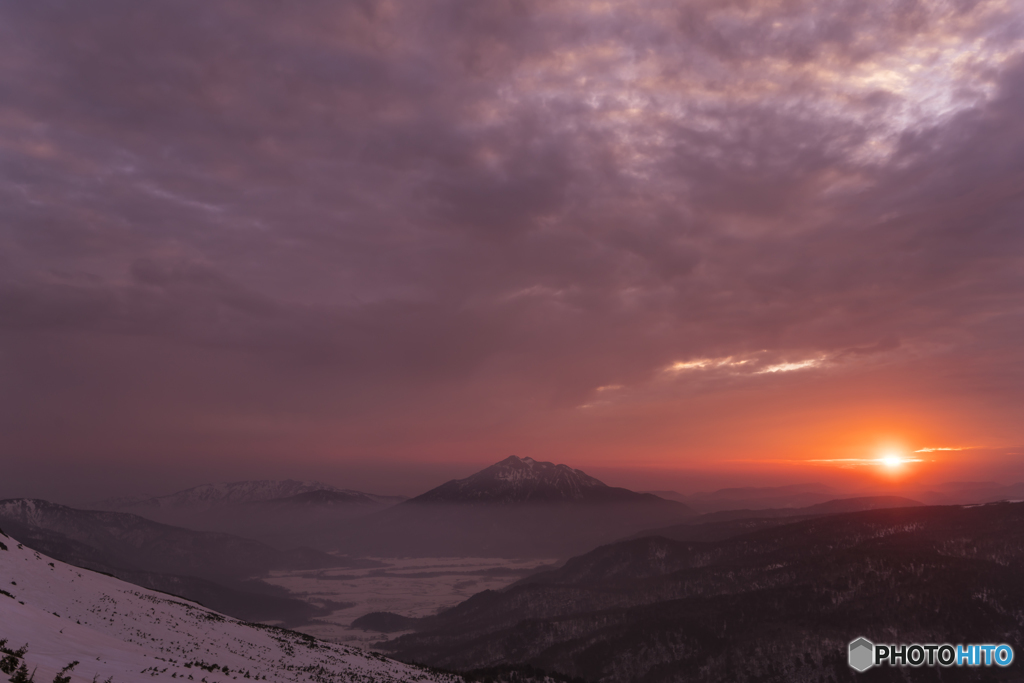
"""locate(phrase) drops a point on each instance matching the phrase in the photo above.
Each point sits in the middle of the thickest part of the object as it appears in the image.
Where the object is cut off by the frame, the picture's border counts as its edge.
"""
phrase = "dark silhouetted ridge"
(525, 480)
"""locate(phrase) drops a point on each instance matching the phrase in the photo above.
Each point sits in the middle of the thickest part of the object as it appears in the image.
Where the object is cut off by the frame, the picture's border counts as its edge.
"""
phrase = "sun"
(891, 461)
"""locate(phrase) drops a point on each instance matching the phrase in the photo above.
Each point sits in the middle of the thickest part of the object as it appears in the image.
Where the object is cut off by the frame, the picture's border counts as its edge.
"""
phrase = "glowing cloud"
(790, 367)
(887, 461)
(727, 362)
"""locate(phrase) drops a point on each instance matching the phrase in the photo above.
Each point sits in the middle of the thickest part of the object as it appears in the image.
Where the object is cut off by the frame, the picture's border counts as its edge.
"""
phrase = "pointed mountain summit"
(525, 480)
(518, 507)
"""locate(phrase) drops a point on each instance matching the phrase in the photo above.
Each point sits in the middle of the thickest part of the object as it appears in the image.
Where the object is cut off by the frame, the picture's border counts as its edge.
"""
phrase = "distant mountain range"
(211, 496)
(518, 507)
(805, 495)
(285, 514)
(970, 492)
(208, 496)
(53, 614)
(729, 523)
(218, 570)
(329, 498)
(778, 604)
(755, 497)
(719, 526)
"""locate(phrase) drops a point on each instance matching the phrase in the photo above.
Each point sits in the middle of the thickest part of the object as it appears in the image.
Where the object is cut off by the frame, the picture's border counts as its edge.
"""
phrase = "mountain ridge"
(125, 533)
(218, 570)
(657, 610)
(282, 513)
(525, 480)
(207, 496)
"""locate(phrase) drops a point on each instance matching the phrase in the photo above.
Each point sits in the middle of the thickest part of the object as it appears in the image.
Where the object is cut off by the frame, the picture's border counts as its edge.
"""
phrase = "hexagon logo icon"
(862, 654)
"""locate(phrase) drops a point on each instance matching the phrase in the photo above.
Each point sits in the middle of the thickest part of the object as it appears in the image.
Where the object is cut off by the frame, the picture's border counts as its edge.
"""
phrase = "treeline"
(12, 663)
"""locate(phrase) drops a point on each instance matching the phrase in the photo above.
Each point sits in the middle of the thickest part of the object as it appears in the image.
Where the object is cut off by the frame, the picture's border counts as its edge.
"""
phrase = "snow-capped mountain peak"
(525, 480)
(515, 469)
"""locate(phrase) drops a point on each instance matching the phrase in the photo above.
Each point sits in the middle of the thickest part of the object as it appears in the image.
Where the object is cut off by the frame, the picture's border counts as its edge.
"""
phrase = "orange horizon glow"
(618, 250)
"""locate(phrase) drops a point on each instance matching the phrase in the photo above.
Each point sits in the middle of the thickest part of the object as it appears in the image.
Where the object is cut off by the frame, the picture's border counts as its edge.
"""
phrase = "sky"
(383, 244)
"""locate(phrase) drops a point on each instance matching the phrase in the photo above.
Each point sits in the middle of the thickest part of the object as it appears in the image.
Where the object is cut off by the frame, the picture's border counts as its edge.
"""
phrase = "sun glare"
(891, 461)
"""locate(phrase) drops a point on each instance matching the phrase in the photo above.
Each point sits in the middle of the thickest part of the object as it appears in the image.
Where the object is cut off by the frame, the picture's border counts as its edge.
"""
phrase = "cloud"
(512, 204)
(790, 367)
(852, 463)
(754, 365)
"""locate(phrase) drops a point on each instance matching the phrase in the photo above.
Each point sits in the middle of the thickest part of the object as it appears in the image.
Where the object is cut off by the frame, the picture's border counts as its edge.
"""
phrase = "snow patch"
(120, 631)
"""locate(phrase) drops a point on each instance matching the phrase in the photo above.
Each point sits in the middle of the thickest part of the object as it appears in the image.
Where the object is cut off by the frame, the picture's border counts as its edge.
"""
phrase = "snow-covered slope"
(121, 632)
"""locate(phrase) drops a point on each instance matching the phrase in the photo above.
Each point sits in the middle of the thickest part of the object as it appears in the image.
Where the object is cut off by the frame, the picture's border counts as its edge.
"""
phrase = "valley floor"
(411, 587)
